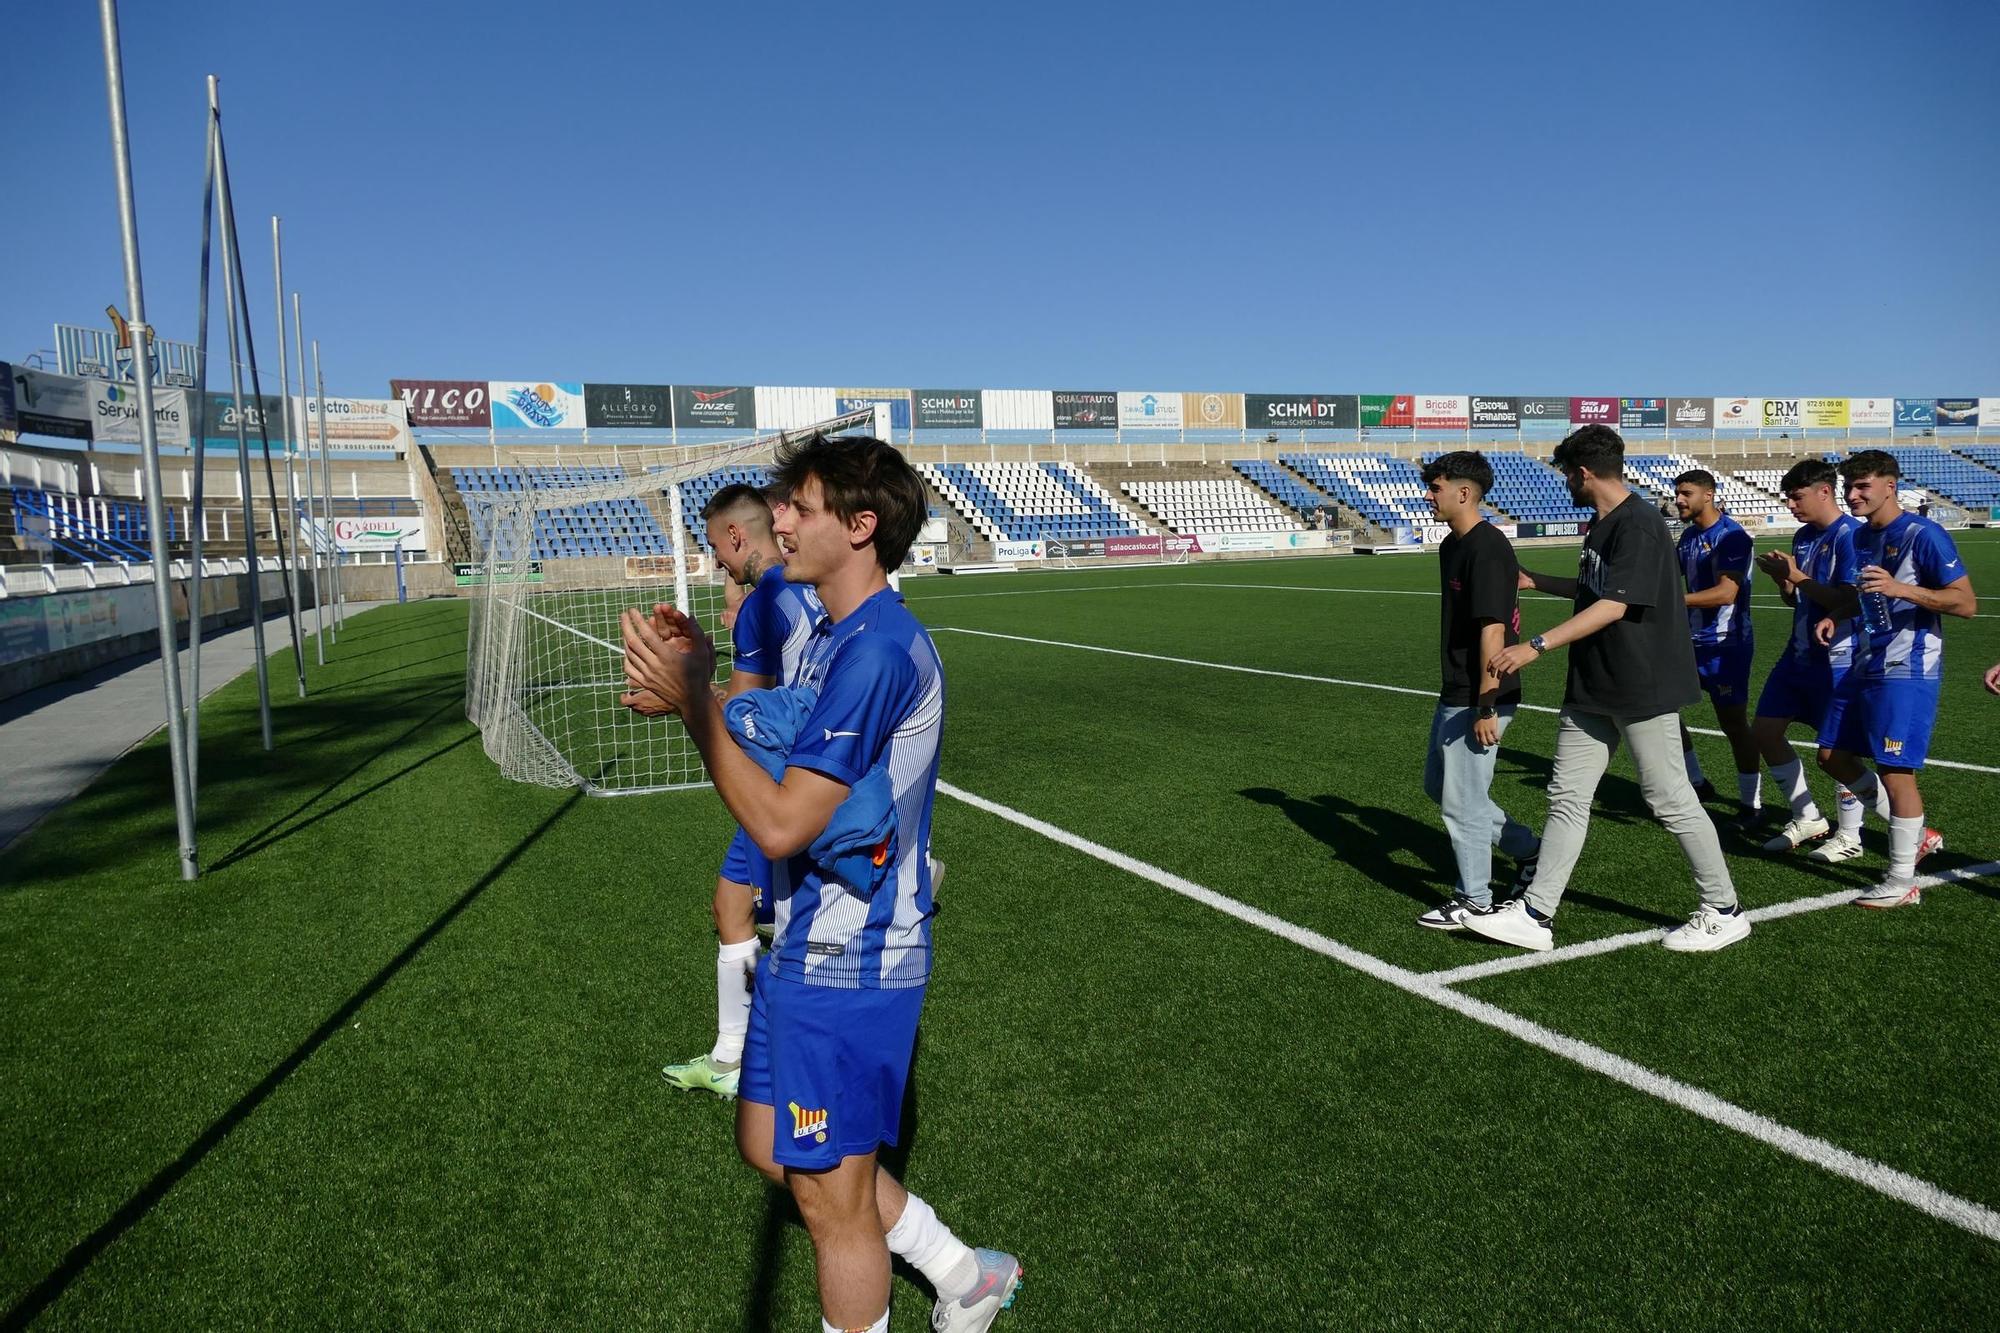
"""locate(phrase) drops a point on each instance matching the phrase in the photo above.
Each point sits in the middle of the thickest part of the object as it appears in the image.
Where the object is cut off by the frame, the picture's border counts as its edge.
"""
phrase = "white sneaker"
(1797, 831)
(999, 1279)
(1707, 930)
(1892, 893)
(1842, 846)
(1511, 924)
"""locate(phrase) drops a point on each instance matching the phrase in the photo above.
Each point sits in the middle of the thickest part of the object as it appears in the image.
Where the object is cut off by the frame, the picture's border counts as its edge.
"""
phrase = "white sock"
(1791, 780)
(1850, 810)
(1693, 767)
(1750, 790)
(881, 1325)
(928, 1246)
(1874, 794)
(1904, 834)
(734, 964)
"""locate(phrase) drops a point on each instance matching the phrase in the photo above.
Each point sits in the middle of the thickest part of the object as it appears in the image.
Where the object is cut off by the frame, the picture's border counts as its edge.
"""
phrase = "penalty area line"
(1336, 680)
(1886, 1180)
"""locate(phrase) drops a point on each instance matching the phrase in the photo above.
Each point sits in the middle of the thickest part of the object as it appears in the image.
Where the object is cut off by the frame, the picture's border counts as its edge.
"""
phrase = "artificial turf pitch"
(393, 1061)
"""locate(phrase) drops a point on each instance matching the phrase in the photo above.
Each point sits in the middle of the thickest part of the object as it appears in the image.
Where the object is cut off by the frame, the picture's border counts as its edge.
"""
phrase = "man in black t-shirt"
(1480, 616)
(1631, 671)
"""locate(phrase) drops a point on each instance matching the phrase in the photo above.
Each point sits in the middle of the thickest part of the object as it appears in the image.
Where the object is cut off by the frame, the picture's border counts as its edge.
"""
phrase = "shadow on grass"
(134, 1210)
(1366, 838)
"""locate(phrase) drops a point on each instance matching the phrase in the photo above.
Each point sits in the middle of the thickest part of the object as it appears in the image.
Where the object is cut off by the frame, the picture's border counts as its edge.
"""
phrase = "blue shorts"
(1887, 720)
(744, 864)
(1725, 674)
(832, 1063)
(1801, 691)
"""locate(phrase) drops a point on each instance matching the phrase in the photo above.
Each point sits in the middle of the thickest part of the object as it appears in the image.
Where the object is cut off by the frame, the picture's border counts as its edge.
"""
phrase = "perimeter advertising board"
(1085, 409)
(714, 407)
(1545, 411)
(1826, 413)
(1141, 410)
(1593, 411)
(114, 414)
(1989, 412)
(262, 417)
(856, 400)
(1872, 412)
(949, 409)
(1642, 413)
(1784, 413)
(445, 402)
(1441, 411)
(1916, 412)
(1691, 413)
(1957, 413)
(355, 423)
(8, 421)
(1212, 411)
(48, 404)
(378, 534)
(628, 406)
(1739, 413)
(536, 405)
(1388, 409)
(1496, 413)
(1300, 411)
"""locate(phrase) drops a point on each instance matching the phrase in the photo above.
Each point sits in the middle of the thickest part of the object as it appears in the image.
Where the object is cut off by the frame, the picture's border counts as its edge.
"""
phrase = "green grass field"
(394, 1060)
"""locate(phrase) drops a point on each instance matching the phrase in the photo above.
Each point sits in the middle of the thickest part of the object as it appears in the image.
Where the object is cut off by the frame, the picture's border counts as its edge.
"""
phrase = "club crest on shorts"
(1891, 747)
(808, 1124)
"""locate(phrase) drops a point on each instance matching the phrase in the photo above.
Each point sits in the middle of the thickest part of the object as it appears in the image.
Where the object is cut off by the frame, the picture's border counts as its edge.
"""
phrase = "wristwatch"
(1539, 644)
(1487, 712)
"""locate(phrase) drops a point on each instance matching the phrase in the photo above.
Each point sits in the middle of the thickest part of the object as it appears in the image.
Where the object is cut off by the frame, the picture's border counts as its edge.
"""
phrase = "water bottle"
(1875, 615)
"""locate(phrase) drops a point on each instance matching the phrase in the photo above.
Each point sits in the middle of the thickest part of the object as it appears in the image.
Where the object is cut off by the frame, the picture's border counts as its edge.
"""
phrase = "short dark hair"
(1808, 472)
(735, 496)
(1464, 465)
(1597, 447)
(859, 474)
(1870, 463)
(1695, 476)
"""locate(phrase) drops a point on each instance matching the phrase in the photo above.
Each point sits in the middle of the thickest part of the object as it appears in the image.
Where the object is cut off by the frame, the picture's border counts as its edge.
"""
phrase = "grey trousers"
(1585, 743)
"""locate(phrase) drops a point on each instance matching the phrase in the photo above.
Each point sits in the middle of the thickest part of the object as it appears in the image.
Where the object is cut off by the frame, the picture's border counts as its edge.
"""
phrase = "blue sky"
(1578, 198)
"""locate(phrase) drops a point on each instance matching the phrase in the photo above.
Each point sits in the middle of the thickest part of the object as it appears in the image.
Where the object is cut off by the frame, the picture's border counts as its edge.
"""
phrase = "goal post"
(559, 562)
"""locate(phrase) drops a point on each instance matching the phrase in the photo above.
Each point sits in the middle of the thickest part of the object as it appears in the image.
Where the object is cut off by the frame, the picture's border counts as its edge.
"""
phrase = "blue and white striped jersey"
(774, 625)
(881, 703)
(1706, 554)
(1826, 556)
(1914, 550)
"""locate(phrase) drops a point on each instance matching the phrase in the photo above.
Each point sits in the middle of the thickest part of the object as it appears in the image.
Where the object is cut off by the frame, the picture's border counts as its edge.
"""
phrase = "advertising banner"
(445, 402)
(1442, 411)
(1246, 541)
(1057, 550)
(8, 421)
(378, 534)
(1957, 413)
(114, 414)
(1784, 413)
(1149, 411)
(1549, 411)
(714, 406)
(1149, 545)
(923, 555)
(1496, 413)
(261, 417)
(1739, 413)
(536, 405)
(355, 423)
(1875, 412)
(1598, 411)
(46, 404)
(1387, 409)
(1018, 551)
(1562, 529)
(1642, 413)
(464, 574)
(949, 409)
(1296, 411)
(1830, 413)
(1916, 412)
(1691, 413)
(1989, 412)
(1085, 409)
(628, 406)
(1212, 411)
(854, 400)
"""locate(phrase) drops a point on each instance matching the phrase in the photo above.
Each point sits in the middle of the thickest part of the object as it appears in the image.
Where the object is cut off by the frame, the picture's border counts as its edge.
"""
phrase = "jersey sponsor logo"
(1891, 747)
(808, 1124)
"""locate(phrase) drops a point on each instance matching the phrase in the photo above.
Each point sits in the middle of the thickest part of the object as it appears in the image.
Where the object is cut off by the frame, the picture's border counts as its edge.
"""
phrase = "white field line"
(1886, 1180)
(1612, 943)
(1335, 680)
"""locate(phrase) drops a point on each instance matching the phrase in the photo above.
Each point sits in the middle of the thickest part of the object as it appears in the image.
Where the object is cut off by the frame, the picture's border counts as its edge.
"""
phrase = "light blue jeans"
(1458, 775)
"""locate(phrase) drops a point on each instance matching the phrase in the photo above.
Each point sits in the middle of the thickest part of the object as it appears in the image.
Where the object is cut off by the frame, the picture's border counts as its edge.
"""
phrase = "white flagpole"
(312, 510)
(291, 445)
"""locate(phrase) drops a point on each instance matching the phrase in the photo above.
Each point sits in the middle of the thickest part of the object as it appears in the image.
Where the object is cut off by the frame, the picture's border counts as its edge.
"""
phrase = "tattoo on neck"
(753, 569)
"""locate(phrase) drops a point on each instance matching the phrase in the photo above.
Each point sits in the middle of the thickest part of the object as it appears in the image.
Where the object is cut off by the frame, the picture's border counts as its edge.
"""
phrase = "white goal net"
(558, 561)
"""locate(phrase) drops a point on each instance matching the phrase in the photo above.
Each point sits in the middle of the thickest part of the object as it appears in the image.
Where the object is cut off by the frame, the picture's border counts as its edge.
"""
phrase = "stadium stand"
(604, 527)
(1740, 499)
(1986, 455)
(1532, 491)
(1388, 492)
(1030, 501)
(1281, 485)
(1210, 506)
(1957, 479)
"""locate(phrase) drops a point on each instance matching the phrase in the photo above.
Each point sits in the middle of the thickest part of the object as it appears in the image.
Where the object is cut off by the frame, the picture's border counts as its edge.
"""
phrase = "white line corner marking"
(1886, 1180)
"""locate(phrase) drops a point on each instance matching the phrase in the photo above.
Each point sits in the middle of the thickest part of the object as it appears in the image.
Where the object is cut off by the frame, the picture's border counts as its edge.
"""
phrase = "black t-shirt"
(1643, 663)
(1480, 577)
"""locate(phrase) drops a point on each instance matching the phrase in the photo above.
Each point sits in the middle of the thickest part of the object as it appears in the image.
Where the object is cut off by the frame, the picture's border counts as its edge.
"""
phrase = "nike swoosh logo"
(750, 652)
(830, 735)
